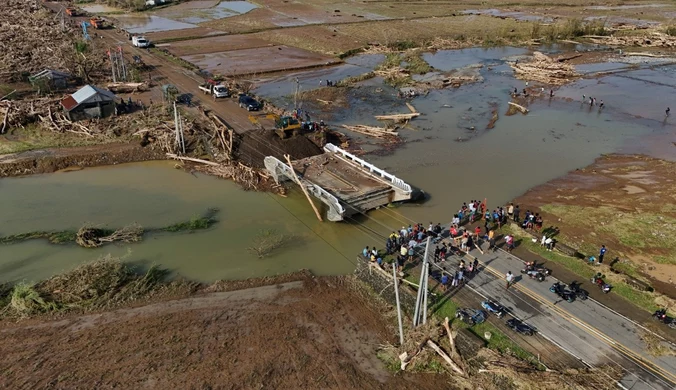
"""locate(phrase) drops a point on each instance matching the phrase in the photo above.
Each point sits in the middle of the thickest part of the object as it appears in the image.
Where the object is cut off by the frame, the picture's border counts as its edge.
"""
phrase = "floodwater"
(205, 11)
(521, 16)
(99, 8)
(141, 24)
(154, 195)
(441, 155)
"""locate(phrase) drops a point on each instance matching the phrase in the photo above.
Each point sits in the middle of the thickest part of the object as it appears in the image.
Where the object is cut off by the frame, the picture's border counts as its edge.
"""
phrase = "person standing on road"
(517, 211)
(444, 282)
(509, 278)
(602, 253)
(509, 240)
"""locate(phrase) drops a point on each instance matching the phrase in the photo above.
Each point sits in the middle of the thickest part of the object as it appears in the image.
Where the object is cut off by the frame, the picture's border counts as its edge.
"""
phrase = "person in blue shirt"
(602, 253)
(366, 252)
(444, 281)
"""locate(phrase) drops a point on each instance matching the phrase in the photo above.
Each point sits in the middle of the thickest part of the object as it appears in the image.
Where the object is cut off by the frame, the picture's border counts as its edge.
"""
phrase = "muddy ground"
(623, 202)
(55, 159)
(306, 334)
(255, 145)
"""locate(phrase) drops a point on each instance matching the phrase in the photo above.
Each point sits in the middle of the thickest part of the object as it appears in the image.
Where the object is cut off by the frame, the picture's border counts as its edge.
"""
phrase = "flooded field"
(448, 152)
(249, 61)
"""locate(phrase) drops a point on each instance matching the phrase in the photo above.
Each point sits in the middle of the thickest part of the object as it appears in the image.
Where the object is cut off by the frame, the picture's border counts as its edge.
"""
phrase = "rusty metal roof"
(89, 94)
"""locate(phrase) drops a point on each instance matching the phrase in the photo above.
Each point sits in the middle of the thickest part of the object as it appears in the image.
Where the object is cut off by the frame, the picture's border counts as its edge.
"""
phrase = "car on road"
(520, 327)
(249, 103)
(139, 41)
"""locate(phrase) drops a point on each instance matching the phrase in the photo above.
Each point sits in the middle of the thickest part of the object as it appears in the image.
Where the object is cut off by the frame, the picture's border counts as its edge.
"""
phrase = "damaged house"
(89, 102)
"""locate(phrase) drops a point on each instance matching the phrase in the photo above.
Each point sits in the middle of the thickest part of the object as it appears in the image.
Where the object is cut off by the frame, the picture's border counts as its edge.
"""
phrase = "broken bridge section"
(344, 182)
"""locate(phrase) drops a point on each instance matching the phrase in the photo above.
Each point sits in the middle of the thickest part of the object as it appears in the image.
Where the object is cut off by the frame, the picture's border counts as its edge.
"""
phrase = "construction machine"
(284, 125)
(97, 23)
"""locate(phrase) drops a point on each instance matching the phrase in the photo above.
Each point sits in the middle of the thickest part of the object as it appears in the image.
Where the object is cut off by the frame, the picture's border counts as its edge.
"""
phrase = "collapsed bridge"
(345, 183)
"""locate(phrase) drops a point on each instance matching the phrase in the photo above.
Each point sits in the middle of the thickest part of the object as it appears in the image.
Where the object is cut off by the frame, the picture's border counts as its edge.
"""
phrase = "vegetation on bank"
(104, 283)
(91, 236)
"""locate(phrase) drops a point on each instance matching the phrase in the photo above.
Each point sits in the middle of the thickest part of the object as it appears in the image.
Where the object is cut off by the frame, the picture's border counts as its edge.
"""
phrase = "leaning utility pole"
(302, 187)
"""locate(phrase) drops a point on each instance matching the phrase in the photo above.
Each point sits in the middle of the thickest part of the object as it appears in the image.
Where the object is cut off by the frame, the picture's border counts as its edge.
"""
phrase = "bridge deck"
(342, 179)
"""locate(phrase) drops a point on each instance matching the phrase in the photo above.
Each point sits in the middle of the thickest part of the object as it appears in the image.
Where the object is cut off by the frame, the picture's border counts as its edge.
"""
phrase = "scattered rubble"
(655, 39)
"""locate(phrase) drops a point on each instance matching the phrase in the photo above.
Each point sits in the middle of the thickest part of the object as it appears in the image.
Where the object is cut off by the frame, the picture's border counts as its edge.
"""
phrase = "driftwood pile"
(545, 70)
(655, 39)
(33, 39)
(92, 237)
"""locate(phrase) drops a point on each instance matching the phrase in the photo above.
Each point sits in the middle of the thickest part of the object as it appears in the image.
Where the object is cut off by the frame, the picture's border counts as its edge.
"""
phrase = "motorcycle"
(520, 327)
(493, 307)
(661, 316)
(579, 292)
(532, 267)
(470, 316)
(558, 289)
(540, 277)
(598, 281)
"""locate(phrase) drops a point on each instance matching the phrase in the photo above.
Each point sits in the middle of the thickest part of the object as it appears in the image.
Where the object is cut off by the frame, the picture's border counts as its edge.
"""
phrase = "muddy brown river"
(557, 136)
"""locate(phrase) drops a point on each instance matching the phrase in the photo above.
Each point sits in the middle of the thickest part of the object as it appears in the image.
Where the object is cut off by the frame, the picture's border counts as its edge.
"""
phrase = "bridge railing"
(372, 169)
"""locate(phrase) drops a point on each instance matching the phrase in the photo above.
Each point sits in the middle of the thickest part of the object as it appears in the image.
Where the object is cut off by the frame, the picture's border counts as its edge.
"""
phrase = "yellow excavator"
(285, 126)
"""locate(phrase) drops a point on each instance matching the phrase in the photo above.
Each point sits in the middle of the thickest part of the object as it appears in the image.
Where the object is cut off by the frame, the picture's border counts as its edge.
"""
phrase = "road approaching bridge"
(592, 332)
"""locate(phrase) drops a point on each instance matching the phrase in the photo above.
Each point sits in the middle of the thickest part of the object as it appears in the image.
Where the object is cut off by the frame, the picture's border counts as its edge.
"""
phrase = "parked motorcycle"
(470, 316)
(598, 281)
(540, 277)
(533, 267)
(661, 316)
(565, 294)
(494, 308)
(520, 327)
(578, 291)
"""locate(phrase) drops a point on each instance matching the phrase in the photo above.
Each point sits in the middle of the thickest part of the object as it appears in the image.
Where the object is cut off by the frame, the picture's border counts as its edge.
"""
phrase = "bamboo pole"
(410, 107)
(302, 187)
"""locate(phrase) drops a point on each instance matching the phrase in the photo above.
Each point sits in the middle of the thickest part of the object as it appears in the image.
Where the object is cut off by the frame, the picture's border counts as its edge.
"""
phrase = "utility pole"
(112, 64)
(421, 300)
(396, 293)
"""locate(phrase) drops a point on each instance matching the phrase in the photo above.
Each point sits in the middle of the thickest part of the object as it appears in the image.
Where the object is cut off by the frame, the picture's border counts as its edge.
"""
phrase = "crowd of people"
(403, 244)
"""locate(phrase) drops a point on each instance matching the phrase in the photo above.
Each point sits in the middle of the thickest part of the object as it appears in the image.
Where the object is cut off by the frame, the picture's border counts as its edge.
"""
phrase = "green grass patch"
(173, 59)
(196, 223)
(392, 60)
(671, 30)
(415, 64)
(671, 260)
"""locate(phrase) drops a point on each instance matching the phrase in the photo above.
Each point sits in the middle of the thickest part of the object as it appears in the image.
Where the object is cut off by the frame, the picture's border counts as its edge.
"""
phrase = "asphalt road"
(586, 329)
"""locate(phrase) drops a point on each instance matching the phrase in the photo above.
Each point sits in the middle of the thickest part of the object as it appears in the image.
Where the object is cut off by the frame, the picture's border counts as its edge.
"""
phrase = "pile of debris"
(544, 69)
(33, 39)
(655, 39)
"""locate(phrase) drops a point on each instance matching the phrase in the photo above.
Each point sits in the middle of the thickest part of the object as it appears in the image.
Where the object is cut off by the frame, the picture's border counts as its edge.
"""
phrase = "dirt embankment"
(305, 334)
(623, 202)
(52, 160)
(255, 145)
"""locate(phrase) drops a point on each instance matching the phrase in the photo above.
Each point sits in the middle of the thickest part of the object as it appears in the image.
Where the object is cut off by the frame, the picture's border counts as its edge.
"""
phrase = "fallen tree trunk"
(378, 132)
(568, 58)
(519, 107)
(445, 356)
(397, 117)
(195, 160)
(451, 340)
(127, 87)
(410, 107)
(638, 54)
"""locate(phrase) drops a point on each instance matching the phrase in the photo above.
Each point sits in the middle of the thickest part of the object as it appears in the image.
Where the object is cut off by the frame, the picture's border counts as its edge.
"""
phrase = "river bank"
(624, 202)
(337, 332)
